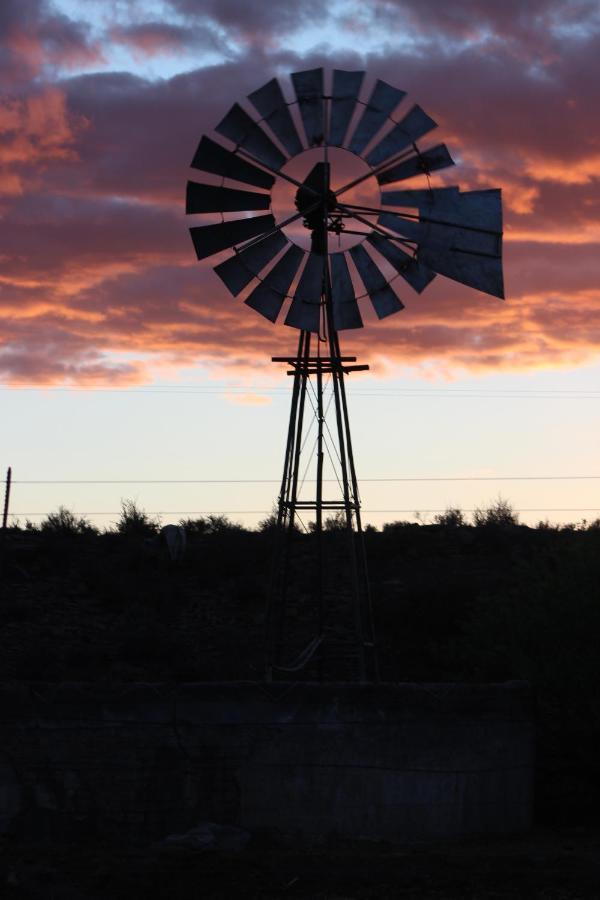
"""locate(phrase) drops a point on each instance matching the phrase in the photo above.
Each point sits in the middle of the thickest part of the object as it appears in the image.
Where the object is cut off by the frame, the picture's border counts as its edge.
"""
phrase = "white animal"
(172, 537)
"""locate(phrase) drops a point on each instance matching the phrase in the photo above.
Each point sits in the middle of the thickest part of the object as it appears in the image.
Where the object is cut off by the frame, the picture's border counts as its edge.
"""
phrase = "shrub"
(218, 524)
(499, 513)
(337, 522)
(451, 518)
(194, 526)
(268, 524)
(135, 521)
(63, 521)
(389, 527)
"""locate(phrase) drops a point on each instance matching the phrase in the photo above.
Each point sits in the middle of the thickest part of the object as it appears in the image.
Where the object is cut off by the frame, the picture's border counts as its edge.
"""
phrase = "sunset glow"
(101, 110)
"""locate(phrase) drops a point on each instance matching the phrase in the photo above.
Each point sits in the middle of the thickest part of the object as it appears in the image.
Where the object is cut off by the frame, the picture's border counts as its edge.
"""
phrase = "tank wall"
(136, 762)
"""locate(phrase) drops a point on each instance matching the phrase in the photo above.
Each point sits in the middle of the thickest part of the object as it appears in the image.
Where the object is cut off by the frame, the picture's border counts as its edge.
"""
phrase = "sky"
(123, 360)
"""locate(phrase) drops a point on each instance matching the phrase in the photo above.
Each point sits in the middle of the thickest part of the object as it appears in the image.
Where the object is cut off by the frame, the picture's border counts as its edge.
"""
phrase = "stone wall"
(136, 762)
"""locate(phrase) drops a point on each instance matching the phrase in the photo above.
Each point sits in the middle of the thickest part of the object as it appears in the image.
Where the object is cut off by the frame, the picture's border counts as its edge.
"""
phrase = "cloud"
(159, 38)
(255, 24)
(98, 279)
(36, 131)
(35, 36)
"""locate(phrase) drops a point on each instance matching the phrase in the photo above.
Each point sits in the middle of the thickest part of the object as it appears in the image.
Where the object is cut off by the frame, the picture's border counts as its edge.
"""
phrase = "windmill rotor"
(414, 233)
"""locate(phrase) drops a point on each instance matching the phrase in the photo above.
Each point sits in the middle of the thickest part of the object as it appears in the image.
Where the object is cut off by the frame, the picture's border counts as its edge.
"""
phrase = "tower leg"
(327, 634)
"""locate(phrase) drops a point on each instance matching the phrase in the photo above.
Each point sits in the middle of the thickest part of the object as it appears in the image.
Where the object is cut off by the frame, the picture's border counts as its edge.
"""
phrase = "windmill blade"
(244, 132)
(204, 198)
(305, 316)
(384, 300)
(346, 313)
(305, 310)
(308, 87)
(416, 232)
(411, 269)
(420, 198)
(469, 222)
(310, 286)
(480, 272)
(212, 157)
(239, 270)
(346, 88)
(383, 100)
(414, 125)
(468, 246)
(474, 209)
(270, 103)
(427, 161)
(210, 239)
(267, 298)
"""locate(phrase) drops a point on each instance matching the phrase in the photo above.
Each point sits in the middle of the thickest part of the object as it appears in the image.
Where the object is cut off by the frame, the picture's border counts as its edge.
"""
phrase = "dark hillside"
(483, 603)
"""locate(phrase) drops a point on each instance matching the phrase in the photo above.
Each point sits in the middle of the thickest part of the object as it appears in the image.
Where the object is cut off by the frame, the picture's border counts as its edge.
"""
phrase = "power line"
(230, 512)
(407, 393)
(252, 387)
(374, 480)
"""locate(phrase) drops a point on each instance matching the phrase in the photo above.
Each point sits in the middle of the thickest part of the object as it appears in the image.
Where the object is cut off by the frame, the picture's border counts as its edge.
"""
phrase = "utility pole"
(6, 497)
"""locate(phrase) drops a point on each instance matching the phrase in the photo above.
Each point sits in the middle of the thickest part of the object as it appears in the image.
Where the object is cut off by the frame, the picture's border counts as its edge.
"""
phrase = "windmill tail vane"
(408, 234)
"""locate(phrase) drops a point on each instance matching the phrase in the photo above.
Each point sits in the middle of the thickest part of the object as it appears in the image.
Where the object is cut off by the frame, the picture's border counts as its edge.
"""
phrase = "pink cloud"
(96, 260)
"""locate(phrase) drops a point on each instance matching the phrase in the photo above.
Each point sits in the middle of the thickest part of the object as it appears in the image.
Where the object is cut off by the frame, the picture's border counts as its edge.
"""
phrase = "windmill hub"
(316, 201)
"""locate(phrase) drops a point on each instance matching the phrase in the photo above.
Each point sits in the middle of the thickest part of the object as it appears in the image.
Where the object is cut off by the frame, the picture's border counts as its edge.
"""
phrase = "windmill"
(323, 255)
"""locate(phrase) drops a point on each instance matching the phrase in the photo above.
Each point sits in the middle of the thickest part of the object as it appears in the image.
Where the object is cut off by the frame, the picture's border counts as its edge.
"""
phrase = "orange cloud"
(99, 280)
(35, 131)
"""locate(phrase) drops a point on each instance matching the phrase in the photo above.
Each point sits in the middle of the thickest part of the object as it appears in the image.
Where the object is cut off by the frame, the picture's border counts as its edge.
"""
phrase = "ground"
(561, 864)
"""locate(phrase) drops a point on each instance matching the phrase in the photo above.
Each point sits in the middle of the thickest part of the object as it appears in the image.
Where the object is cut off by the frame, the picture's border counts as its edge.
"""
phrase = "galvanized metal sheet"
(413, 126)
(212, 157)
(469, 210)
(479, 272)
(418, 199)
(282, 274)
(346, 313)
(405, 227)
(203, 198)
(430, 160)
(470, 226)
(209, 239)
(473, 209)
(265, 301)
(384, 300)
(239, 270)
(240, 128)
(346, 88)
(310, 286)
(383, 101)
(347, 316)
(270, 103)
(306, 316)
(467, 247)
(267, 298)
(342, 289)
(411, 269)
(308, 87)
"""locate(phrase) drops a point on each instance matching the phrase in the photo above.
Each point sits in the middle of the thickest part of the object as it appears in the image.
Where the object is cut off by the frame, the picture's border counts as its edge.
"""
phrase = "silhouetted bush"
(218, 524)
(499, 513)
(135, 521)
(399, 525)
(194, 526)
(451, 518)
(63, 521)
